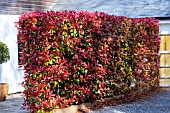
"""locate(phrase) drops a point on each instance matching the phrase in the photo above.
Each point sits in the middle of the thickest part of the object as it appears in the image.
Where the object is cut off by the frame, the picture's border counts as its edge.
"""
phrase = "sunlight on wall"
(10, 72)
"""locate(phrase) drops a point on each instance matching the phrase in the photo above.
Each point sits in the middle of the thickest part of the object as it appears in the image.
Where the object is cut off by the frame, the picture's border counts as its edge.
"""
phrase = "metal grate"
(17, 7)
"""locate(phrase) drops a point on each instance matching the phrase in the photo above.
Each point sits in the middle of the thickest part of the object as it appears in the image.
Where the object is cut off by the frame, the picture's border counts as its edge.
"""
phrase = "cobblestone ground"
(12, 104)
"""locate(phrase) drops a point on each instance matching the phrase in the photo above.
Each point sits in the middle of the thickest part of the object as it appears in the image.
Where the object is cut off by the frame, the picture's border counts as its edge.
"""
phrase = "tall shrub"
(74, 57)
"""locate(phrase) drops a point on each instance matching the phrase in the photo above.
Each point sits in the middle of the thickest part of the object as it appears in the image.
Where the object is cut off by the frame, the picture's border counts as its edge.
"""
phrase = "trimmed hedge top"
(73, 57)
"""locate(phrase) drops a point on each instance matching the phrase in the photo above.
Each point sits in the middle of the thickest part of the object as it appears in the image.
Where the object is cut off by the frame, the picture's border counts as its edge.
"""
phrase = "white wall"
(164, 26)
(10, 71)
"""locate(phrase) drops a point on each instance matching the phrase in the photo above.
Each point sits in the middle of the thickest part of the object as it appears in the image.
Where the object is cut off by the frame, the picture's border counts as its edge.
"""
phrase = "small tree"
(4, 57)
(4, 53)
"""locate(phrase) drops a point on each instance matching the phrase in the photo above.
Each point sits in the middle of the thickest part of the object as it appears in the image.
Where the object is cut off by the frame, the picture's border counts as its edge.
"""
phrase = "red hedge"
(73, 57)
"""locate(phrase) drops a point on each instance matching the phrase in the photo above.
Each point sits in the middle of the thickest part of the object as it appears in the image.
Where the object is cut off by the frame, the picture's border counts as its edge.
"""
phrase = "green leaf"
(57, 57)
(75, 31)
(57, 107)
(74, 67)
(78, 73)
(72, 34)
(41, 74)
(86, 71)
(51, 62)
(46, 63)
(34, 76)
(25, 87)
(71, 31)
(56, 83)
(77, 81)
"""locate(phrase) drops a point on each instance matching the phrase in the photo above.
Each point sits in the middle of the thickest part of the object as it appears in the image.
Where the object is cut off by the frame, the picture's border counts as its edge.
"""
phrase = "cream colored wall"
(10, 71)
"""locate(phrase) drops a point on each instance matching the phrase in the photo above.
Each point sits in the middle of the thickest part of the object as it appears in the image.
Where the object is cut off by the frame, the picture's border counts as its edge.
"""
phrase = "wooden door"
(165, 61)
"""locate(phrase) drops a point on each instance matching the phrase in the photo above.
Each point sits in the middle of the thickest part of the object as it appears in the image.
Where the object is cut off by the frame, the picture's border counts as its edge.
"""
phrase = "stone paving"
(12, 104)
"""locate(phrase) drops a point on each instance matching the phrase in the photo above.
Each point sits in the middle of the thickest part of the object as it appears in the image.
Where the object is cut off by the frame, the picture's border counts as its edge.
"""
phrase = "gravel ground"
(158, 103)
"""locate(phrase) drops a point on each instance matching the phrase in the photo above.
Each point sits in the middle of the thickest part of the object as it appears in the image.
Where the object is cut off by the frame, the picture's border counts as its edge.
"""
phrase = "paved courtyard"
(159, 103)
(12, 104)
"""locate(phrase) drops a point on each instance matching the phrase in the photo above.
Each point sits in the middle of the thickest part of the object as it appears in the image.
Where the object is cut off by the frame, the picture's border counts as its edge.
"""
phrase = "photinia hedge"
(74, 57)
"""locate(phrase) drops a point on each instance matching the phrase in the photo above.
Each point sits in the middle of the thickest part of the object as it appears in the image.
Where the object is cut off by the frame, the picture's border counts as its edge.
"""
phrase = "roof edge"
(162, 18)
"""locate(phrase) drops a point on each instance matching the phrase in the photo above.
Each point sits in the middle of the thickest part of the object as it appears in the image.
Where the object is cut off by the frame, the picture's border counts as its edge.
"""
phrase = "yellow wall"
(165, 60)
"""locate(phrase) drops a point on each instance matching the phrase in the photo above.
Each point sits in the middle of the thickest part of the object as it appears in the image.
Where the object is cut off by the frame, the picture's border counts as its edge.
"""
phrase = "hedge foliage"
(74, 57)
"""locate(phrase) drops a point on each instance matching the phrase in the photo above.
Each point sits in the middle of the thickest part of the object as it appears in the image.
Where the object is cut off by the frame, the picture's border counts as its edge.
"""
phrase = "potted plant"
(4, 57)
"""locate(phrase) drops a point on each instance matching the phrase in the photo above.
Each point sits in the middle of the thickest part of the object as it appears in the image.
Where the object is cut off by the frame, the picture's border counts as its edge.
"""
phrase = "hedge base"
(111, 101)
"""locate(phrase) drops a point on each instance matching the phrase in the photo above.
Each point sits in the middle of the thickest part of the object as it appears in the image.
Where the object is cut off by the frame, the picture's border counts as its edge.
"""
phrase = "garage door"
(165, 61)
